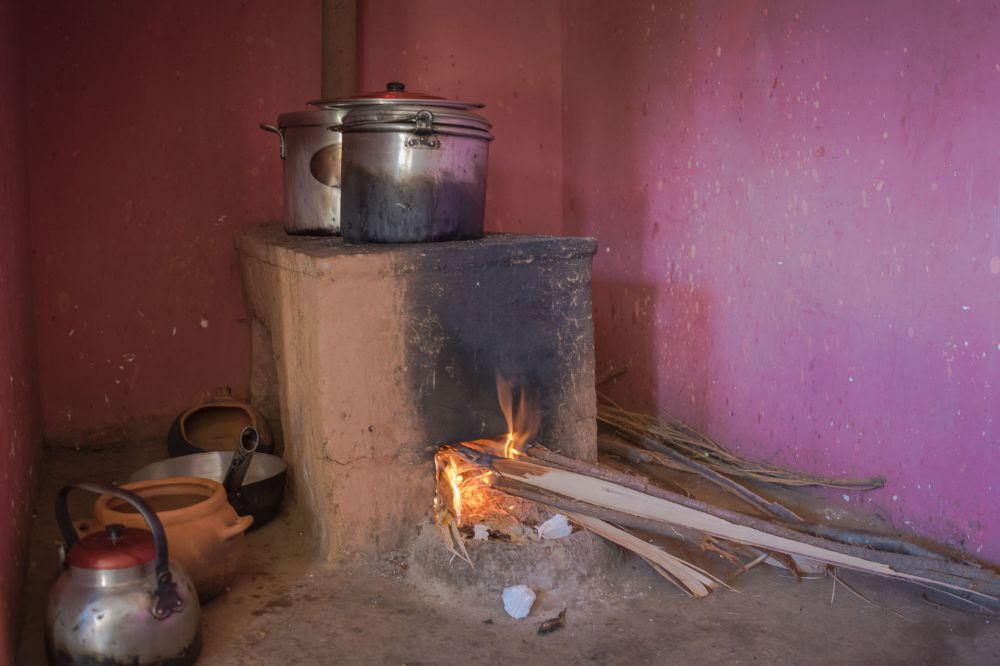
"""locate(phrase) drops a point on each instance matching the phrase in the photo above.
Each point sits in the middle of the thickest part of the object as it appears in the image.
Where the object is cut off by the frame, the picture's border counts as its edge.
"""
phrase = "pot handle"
(281, 136)
(241, 525)
(166, 598)
(240, 463)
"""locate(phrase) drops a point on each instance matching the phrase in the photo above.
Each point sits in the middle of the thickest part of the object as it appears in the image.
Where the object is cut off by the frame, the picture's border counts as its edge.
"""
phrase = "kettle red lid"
(395, 90)
(115, 547)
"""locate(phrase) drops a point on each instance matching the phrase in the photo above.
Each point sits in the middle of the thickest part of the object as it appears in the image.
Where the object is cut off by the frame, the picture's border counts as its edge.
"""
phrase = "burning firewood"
(499, 486)
(641, 506)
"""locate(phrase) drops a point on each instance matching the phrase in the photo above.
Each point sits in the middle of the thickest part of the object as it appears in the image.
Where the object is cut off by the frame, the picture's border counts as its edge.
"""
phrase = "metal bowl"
(259, 496)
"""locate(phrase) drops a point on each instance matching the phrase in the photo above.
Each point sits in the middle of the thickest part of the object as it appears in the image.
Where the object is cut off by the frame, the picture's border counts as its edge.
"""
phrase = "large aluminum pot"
(311, 170)
(412, 172)
(311, 155)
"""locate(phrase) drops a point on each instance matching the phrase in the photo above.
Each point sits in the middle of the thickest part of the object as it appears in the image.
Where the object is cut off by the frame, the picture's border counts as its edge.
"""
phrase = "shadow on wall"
(651, 312)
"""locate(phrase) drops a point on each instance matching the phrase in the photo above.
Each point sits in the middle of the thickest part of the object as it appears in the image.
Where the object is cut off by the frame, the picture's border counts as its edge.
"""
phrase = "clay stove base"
(381, 353)
(545, 566)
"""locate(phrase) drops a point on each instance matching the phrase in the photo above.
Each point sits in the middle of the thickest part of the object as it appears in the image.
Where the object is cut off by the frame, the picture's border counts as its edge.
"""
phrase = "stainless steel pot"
(311, 155)
(413, 172)
(311, 169)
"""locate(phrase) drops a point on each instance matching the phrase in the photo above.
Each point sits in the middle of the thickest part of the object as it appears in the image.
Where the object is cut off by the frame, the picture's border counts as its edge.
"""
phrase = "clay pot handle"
(223, 394)
(239, 527)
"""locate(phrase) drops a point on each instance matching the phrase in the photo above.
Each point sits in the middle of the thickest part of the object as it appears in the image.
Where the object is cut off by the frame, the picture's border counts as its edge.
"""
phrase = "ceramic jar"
(214, 426)
(204, 533)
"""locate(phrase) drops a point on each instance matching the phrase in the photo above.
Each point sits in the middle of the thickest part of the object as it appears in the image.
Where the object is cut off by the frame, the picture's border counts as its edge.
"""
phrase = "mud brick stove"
(374, 355)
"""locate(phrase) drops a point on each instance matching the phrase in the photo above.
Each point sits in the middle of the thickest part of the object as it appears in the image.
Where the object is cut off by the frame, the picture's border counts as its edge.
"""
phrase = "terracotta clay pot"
(204, 533)
(215, 425)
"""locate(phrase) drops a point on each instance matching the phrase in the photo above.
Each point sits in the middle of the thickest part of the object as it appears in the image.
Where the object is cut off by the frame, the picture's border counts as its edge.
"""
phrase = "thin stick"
(730, 486)
(695, 581)
(682, 437)
(838, 579)
(746, 567)
(614, 373)
(567, 505)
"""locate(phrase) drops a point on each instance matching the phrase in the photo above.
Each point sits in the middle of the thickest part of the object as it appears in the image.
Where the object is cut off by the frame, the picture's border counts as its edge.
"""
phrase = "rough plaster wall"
(145, 159)
(798, 207)
(20, 440)
(504, 54)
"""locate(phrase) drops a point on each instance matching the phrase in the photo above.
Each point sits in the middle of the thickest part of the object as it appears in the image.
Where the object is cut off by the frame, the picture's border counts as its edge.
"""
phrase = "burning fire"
(464, 494)
(522, 421)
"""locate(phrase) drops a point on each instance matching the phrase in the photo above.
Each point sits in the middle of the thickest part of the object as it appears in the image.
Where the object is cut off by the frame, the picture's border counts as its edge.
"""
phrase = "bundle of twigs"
(612, 498)
(678, 436)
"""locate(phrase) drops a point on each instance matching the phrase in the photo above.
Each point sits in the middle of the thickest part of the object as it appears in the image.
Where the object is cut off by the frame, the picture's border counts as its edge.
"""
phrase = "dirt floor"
(286, 608)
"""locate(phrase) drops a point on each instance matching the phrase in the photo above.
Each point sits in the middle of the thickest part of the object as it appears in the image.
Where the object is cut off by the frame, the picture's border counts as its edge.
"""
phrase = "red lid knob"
(396, 90)
(114, 547)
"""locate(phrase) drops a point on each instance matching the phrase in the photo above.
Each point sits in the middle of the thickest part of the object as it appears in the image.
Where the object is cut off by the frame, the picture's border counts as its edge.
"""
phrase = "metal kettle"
(119, 600)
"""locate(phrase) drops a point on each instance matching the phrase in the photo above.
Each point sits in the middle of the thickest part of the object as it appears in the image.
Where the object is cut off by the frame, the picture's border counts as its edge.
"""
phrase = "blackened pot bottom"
(378, 209)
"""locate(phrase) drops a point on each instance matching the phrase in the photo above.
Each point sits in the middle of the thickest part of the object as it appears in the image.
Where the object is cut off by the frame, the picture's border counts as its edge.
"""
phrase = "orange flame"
(463, 487)
(522, 421)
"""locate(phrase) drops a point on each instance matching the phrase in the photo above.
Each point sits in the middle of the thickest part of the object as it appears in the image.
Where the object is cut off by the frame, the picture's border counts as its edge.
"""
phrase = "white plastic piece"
(517, 601)
(480, 532)
(555, 527)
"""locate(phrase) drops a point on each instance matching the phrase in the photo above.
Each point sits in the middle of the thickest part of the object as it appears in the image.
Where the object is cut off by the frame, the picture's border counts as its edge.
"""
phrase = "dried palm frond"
(681, 437)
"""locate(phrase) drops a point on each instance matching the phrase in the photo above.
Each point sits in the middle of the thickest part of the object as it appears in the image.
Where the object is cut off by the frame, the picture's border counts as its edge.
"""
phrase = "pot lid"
(396, 90)
(115, 547)
(414, 114)
(394, 93)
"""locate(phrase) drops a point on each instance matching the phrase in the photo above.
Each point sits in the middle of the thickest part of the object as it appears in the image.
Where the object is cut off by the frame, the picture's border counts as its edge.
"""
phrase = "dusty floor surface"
(285, 608)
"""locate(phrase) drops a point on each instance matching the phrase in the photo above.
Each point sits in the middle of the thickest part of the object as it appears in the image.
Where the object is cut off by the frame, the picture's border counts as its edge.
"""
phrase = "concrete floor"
(286, 608)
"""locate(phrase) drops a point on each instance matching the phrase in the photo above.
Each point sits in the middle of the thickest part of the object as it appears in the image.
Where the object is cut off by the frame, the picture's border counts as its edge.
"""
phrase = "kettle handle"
(167, 600)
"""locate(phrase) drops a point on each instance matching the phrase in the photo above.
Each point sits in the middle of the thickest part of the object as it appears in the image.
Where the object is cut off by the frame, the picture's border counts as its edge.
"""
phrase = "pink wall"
(797, 208)
(145, 159)
(138, 298)
(503, 53)
(799, 212)
(19, 424)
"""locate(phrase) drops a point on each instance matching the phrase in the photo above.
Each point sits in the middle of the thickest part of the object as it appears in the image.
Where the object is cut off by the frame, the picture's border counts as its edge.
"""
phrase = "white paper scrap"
(517, 601)
(555, 527)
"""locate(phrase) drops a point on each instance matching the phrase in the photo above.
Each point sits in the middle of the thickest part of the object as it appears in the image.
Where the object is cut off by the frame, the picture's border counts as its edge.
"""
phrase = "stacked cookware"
(387, 167)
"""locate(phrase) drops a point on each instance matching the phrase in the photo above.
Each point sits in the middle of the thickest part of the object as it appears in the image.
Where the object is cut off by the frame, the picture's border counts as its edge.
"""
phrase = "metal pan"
(259, 495)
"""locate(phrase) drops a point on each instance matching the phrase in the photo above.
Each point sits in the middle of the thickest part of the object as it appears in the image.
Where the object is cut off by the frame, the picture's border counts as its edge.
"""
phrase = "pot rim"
(216, 404)
(210, 504)
(404, 128)
(330, 104)
(273, 464)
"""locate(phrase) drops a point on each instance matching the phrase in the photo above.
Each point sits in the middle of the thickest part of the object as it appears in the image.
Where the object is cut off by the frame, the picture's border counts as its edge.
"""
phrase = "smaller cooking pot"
(203, 530)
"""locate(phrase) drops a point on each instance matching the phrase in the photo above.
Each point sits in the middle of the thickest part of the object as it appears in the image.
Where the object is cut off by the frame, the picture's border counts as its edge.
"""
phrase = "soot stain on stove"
(524, 312)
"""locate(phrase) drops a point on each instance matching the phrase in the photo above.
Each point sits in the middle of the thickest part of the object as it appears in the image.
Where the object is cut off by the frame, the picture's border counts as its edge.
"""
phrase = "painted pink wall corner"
(799, 214)
(20, 431)
(145, 159)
